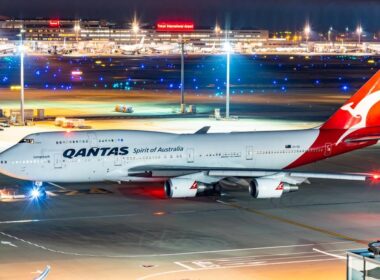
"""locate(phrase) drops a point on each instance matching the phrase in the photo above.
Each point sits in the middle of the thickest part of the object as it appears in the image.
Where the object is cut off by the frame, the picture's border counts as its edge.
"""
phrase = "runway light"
(15, 87)
(76, 73)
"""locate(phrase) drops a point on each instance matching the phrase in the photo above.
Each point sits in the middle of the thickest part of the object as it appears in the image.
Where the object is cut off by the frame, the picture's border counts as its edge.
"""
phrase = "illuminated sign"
(176, 26)
(54, 23)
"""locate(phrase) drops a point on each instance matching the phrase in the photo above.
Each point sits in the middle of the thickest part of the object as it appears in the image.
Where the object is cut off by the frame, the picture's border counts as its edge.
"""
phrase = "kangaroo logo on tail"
(361, 111)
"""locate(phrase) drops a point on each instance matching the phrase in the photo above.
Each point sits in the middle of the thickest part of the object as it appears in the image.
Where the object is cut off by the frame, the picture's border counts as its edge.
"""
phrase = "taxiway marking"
(229, 267)
(157, 255)
(56, 185)
(257, 259)
(184, 265)
(8, 243)
(329, 254)
(295, 223)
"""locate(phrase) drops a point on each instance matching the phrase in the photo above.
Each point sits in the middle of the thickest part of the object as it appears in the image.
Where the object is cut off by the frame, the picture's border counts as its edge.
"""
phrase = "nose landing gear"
(38, 191)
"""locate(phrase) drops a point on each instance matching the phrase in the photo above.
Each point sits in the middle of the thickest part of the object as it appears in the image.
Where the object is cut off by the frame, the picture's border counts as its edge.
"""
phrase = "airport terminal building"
(100, 30)
(82, 37)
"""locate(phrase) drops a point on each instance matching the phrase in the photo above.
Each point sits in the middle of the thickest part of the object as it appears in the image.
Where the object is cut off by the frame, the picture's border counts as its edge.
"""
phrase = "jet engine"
(269, 188)
(181, 188)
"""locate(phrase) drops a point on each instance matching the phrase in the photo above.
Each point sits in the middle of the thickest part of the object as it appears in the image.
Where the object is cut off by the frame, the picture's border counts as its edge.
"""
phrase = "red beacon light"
(376, 176)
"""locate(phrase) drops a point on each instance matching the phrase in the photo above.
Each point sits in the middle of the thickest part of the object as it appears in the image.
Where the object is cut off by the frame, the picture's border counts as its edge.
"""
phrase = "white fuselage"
(89, 156)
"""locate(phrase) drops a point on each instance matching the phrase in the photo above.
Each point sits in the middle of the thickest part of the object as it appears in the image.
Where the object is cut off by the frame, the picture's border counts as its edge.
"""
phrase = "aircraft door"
(328, 149)
(92, 139)
(249, 153)
(57, 161)
(118, 161)
(190, 155)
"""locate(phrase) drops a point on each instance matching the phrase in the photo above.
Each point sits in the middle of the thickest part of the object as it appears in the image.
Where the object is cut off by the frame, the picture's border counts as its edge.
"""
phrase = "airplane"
(132, 49)
(210, 49)
(8, 49)
(190, 164)
(165, 48)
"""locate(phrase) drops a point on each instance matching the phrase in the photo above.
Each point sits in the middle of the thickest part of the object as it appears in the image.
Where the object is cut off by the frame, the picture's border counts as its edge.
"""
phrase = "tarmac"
(130, 231)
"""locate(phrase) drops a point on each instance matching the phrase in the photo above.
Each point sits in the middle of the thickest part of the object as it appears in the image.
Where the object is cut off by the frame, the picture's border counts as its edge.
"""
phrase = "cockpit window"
(27, 140)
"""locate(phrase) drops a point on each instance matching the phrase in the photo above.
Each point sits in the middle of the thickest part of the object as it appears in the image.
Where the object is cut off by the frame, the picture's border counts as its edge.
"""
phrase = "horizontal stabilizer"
(363, 139)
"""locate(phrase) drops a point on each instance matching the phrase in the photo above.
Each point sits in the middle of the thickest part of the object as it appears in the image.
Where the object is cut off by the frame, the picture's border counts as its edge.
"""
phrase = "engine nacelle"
(269, 188)
(181, 188)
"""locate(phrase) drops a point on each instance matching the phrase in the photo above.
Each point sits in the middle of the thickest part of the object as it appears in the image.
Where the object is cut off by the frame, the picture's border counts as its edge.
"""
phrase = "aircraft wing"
(290, 176)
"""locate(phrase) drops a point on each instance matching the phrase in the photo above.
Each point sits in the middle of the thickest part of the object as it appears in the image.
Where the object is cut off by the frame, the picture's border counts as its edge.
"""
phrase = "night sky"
(268, 14)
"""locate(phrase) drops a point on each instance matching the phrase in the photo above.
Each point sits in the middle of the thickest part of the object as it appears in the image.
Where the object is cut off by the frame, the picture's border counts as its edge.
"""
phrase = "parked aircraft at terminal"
(8, 49)
(133, 49)
(192, 163)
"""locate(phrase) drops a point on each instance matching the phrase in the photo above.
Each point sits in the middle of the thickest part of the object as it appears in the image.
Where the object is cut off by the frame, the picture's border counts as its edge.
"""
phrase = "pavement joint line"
(295, 223)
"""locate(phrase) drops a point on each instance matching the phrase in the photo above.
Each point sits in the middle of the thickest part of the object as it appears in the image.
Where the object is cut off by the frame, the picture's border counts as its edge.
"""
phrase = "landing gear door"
(190, 155)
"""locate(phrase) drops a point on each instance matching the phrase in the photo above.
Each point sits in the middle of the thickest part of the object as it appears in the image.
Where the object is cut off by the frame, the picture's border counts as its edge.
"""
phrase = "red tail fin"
(361, 110)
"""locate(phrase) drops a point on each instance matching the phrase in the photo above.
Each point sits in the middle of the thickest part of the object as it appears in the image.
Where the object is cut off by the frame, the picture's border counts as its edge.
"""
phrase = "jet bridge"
(364, 264)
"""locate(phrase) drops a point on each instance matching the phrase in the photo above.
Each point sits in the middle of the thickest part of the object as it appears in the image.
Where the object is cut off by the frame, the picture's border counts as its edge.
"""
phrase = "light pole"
(228, 49)
(307, 31)
(359, 31)
(135, 28)
(22, 77)
(217, 31)
(77, 29)
(329, 33)
(183, 106)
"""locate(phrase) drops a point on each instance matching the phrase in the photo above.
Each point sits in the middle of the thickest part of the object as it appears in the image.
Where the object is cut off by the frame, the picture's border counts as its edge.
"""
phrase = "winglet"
(203, 130)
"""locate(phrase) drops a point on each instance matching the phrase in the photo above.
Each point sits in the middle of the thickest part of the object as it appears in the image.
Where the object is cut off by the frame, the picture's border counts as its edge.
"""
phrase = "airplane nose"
(3, 163)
